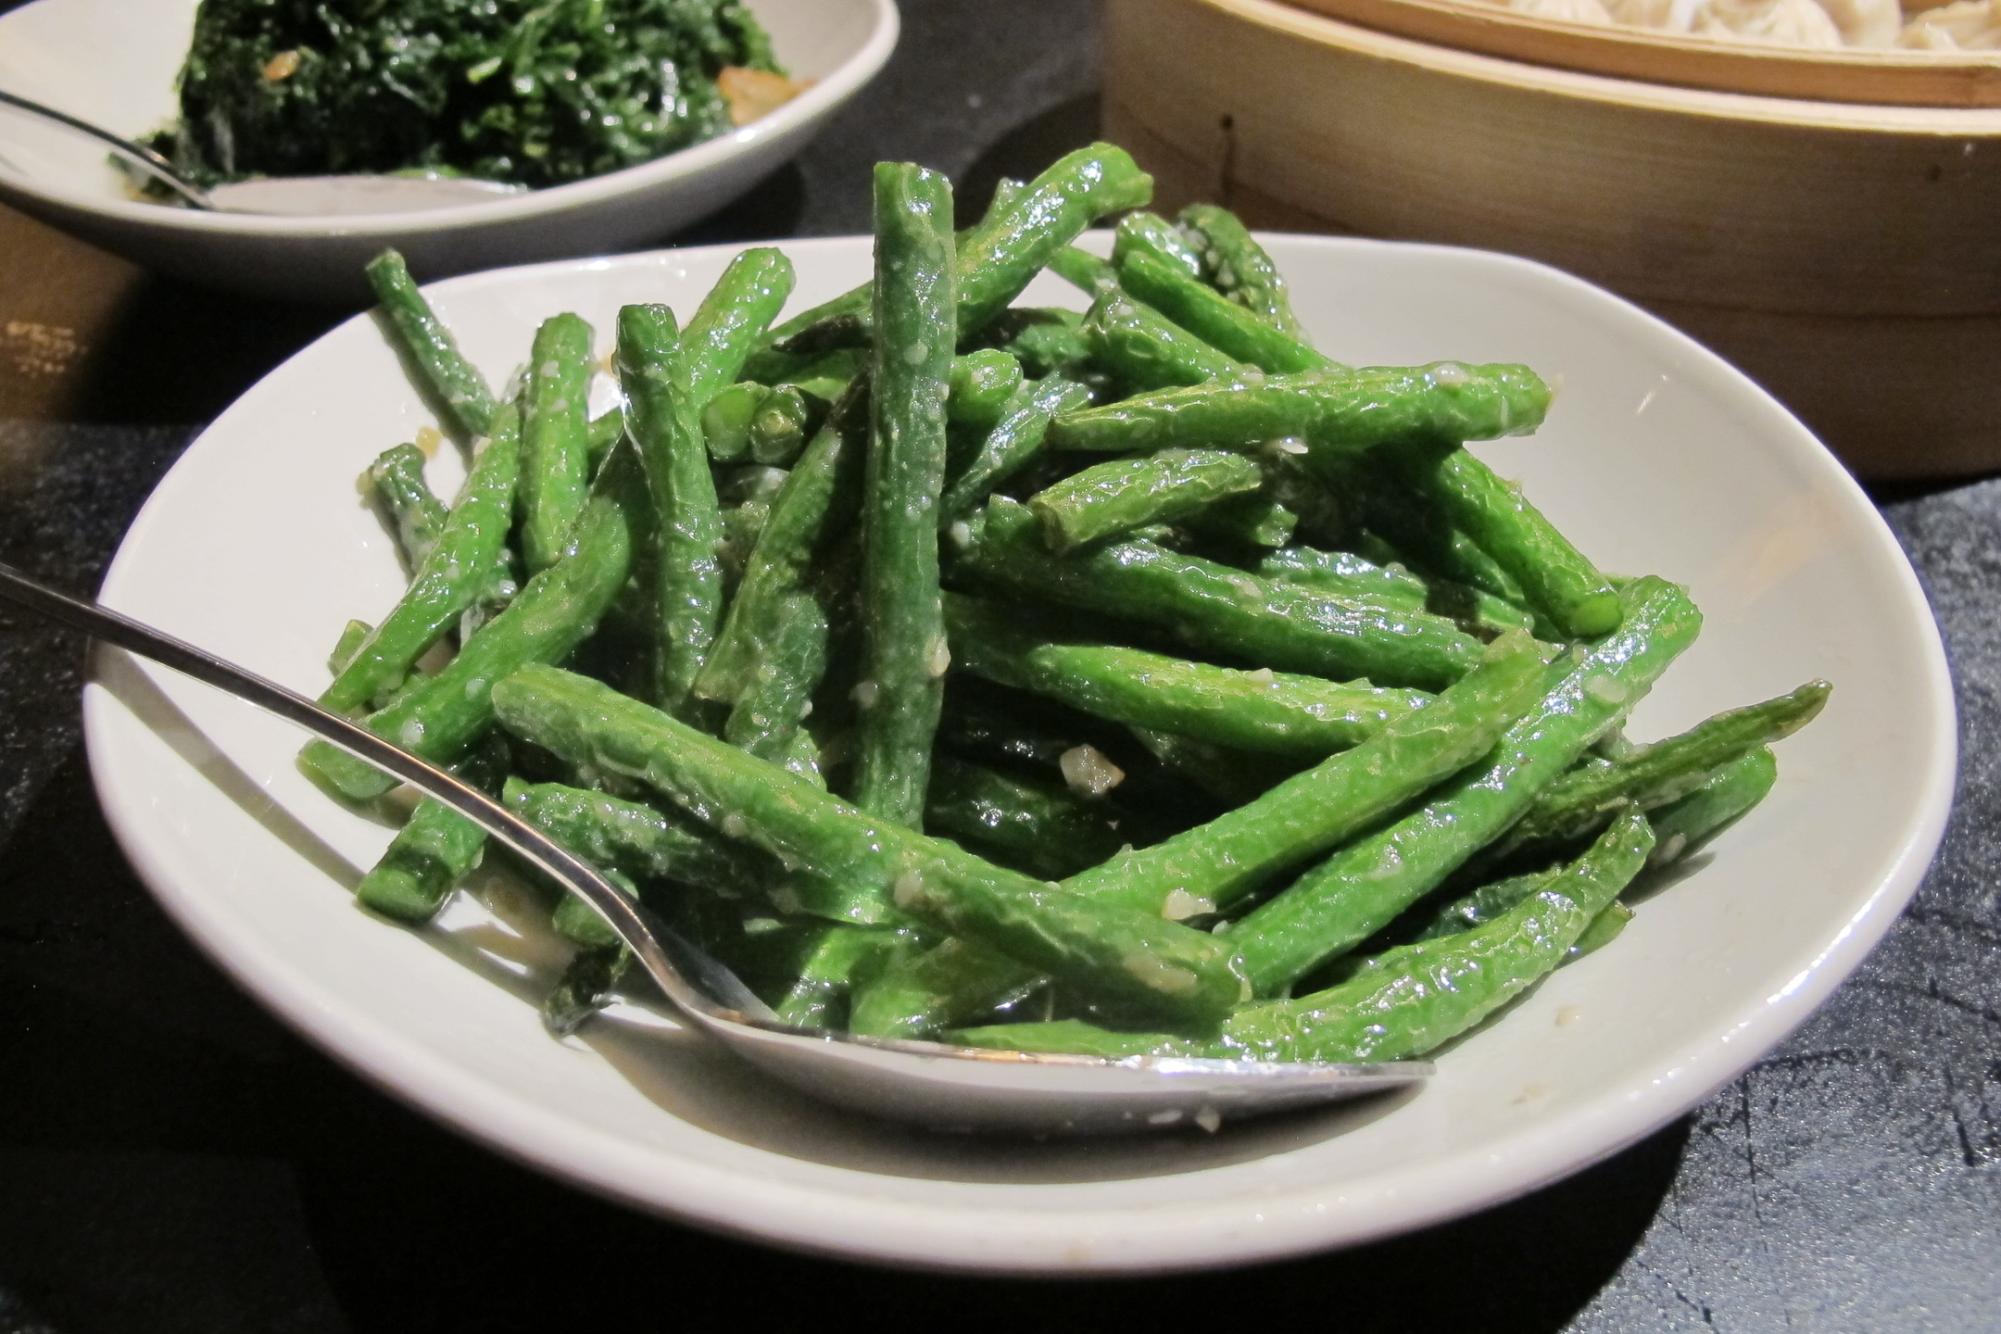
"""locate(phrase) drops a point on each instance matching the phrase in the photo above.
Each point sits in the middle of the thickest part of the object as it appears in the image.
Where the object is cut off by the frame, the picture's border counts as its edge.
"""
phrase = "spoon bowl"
(932, 1084)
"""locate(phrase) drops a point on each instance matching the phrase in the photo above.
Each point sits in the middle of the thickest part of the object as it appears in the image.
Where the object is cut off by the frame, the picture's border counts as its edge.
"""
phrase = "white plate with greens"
(114, 63)
(1658, 457)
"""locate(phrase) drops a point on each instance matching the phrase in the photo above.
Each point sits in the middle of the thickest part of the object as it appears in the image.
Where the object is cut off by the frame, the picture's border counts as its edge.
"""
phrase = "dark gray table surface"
(173, 1159)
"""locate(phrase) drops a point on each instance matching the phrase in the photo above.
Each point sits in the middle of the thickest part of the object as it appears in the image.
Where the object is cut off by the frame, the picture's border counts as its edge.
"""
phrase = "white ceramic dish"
(1659, 457)
(113, 62)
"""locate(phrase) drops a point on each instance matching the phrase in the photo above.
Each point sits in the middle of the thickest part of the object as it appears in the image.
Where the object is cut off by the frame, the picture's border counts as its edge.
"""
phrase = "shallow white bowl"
(113, 62)
(1659, 457)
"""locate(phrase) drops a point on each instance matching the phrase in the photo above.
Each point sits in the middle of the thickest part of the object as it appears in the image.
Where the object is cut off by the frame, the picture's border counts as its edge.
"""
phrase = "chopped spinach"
(537, 92)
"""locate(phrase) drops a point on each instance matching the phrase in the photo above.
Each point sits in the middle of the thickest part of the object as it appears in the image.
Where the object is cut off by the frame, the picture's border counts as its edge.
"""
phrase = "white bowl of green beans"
(1169, 677)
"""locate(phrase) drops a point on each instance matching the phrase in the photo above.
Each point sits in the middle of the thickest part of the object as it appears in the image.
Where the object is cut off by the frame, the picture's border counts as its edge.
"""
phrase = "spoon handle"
(652, 944)
(147, 160)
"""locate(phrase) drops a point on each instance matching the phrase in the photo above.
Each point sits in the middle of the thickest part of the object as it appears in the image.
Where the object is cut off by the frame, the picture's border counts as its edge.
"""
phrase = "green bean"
(575, 920)
(352, 636)
(819, 498)
(819, 992)
(555, 469)
(587, 985)
(1261, 710)
(440, 717)
(654, 368)
(1002, 253)
(396, 478)
(1414, 997)
(605, 430)
(451, 579)
(772, 424)
(1350, 576)
(1083, 270)
(828, 377)
(770, 363)
(852, 307)
(1146, 351)
(1728, 792)
(1362, 887)
(1323, 517)
(1400, 530)
(434, 850)
(903, 633)
(732, 319)
(638, 841)
(1496, 897)
(726, 420)
(1225, 325)
(766, 719)
(1334, 411)
(780, 427)
(1045, 341)
(1040, 829)
(1600, 931)
(1213, 867)
(1017, 238)
(1557, 578)
(1237, 264)
(1479, 906)
(1016, 438)
(1254, 521)
(1577, 804)
(982, 382)
(1119, 495)
(1220, 609)
(742, 525)
(1407, 1001)
(1123, 958)
(952, 982)
(1152, 235)
(459, 389)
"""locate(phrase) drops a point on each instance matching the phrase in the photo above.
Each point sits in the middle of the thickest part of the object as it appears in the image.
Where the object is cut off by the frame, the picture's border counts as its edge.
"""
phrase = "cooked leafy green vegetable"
(537, 92)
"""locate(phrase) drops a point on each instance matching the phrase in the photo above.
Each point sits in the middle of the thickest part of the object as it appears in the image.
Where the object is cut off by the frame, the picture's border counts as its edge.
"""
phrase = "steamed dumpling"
(1866, 22)
(1970, 25)
(1792, 22)
(1569, 11)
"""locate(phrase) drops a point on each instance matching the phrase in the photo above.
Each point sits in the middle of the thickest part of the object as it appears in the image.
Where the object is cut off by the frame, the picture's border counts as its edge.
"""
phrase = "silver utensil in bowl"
(290, 196)
(947, 1087)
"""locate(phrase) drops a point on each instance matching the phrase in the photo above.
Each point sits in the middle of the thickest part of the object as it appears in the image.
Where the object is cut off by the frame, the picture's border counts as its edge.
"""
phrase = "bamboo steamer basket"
(1845, 254)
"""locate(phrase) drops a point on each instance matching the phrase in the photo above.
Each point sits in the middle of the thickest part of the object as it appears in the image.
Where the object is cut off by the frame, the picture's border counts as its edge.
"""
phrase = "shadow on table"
(170, 352)
(435, 1234)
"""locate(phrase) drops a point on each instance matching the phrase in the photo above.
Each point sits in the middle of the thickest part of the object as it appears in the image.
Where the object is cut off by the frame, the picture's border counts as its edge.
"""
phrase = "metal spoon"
(946, 1087)
(295, 196)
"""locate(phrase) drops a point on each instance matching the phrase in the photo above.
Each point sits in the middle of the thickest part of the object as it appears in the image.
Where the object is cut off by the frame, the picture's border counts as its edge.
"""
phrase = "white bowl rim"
(821, 98)
(1174, 1236)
